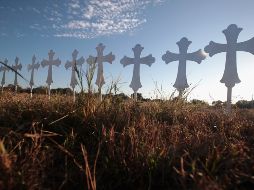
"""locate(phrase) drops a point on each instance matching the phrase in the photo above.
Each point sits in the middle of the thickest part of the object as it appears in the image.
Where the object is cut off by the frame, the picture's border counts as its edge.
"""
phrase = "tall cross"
(136, 61)
(230, 76)
(3, 68)
(73, 64)
(100, 59)
(15, 68)
(31, 68)
(181, 80)
(50, 64)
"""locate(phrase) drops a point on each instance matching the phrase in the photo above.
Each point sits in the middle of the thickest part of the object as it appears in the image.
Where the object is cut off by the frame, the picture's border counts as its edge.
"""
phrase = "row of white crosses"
(78, 62)
(17, 67)
(69, 64)
(230, 76)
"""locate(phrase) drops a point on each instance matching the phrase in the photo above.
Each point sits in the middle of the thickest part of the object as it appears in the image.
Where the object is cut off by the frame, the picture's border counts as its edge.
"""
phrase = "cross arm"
(148, 60)
(126, 61)
(109, 58)
(80, 61)
(91, 60)
(247, 46)
(4, 68)
(214, 48)
(197, 56)
(170, 57)
(57, 62)
(37, 65)
(67, 65)
(17, 67)
(44, 63)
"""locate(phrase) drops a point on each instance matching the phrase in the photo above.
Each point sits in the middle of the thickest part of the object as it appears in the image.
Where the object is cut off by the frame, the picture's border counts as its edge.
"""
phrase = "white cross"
(31, 68)
(100, 59)
(16, 67)
(50, 63)
(230, 76)
(181, 80)
(3, 68)
(73, 64)
(136, 61)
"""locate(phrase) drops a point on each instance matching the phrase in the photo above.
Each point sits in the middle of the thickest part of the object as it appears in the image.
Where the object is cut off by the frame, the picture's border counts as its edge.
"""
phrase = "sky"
(33, 27)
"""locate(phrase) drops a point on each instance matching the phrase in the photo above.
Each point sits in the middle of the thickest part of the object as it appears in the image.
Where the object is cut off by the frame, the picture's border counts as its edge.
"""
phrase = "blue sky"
(29, 27)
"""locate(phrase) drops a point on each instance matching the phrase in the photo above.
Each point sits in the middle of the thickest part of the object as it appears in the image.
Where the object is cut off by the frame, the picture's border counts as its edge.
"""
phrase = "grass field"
(120, 144)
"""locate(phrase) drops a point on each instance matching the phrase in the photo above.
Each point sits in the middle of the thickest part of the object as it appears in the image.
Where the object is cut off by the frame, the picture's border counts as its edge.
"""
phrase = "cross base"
(229, 99)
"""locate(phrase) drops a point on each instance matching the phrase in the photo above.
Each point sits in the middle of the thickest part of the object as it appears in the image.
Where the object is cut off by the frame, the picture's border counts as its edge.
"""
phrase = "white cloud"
(35, 26)
(93, 18)
(75, 35)
(75, 4)
(83, 19)
(89, 12)
(76, 24)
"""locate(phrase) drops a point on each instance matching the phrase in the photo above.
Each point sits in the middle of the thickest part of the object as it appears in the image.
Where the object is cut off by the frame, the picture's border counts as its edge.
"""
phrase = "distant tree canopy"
(122, 96)
(39, 90)
(244, 104)
(218, 103)
(198, 102)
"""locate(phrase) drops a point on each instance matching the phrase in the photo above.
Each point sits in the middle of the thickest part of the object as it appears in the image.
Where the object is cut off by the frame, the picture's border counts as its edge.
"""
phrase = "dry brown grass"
(122, 145)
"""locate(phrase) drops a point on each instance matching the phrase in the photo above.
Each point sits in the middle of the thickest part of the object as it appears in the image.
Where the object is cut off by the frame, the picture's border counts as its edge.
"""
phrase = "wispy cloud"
(36, 10)
(84, 19)
(104, 17)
